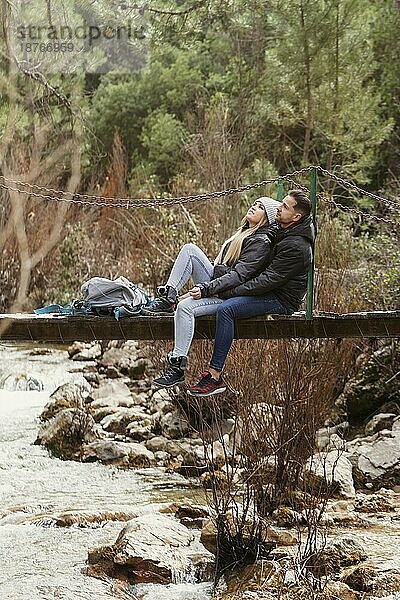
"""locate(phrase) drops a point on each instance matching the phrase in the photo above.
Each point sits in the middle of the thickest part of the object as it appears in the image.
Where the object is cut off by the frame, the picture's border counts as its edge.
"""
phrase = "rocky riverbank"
(123, 421)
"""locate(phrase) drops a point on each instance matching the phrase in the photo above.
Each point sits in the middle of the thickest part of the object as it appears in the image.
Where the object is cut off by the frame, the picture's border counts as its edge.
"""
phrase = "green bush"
(379, 257)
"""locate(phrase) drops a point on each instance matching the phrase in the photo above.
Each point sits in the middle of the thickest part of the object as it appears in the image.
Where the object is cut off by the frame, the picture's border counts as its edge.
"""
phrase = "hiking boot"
(163, 304)
(207, 386)
(174, 374)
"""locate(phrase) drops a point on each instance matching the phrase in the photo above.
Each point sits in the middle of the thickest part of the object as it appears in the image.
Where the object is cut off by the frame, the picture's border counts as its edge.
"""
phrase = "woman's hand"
(184, 296)
(195, 293)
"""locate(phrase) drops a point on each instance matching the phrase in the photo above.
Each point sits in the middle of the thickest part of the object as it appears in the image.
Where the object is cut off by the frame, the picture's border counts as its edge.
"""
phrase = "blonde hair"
(236, 241)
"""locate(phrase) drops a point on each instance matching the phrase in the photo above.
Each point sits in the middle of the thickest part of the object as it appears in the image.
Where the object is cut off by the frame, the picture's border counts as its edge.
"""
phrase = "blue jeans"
(241, 307)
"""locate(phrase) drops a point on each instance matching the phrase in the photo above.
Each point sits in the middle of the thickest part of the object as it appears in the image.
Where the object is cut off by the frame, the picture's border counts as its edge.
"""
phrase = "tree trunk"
(309, 98)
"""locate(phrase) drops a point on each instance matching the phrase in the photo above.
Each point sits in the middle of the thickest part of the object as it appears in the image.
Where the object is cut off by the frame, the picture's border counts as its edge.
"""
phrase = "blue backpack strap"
(122, 312)
(147, 299)
(54, 308)
(76, 307)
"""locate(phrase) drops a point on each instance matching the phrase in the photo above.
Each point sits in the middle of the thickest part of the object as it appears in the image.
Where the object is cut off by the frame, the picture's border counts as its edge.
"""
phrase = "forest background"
(232, 93)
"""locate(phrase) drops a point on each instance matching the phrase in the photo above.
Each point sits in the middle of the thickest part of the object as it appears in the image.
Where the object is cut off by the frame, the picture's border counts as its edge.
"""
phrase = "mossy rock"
(68, 395)
(65, 434)
(359, 577)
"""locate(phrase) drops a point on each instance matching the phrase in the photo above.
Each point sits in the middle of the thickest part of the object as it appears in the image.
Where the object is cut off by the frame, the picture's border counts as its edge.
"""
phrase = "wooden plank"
(66, 329)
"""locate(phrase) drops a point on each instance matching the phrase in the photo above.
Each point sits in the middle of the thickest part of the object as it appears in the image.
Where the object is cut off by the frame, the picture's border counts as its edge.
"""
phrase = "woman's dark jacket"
(254, 257)
(286, 275)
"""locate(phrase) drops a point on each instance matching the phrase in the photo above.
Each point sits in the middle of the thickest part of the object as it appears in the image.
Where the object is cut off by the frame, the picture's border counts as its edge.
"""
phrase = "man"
(279, 289)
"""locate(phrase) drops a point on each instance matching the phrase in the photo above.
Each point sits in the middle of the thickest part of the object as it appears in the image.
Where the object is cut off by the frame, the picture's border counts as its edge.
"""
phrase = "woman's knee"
(189, 248)
(185, 307)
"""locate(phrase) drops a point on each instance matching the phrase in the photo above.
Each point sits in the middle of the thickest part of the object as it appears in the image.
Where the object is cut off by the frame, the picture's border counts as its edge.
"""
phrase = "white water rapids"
(43, 562)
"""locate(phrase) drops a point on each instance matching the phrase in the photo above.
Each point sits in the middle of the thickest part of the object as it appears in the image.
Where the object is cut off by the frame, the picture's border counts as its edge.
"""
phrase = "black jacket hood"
(305, 227)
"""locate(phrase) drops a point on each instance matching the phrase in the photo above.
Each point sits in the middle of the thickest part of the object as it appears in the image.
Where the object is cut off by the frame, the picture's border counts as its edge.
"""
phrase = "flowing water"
(42, 562)
(39, 560)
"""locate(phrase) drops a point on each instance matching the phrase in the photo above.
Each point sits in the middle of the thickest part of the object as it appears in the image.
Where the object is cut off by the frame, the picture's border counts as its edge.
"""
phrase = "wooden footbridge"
(65, 329)
(61, 328)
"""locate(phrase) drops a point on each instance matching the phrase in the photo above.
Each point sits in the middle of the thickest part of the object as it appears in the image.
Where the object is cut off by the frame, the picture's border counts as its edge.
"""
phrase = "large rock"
(157, 443)
(332, 470)
(86, 352)
(284, 516)
(77, 347)
(140, 431)
(379, 422)
(110, 389)
(382, 502)
(359, 577)
(341, 512)
(120, 358)
(99, 413)
(208, 536)
(375, 385)
(174, 425)
(338, 554)
(377, 458)
(118, 422)
(280, 536)
(68, 395)
(338, 590)
(150, 549)
(123, 454)
(160, 403)
(66, 433)
(124, 360)
(112, 393)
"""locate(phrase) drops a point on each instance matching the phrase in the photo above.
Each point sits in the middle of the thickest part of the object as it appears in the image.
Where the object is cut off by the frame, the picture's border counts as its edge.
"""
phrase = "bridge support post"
(310, 279)
(280, 191)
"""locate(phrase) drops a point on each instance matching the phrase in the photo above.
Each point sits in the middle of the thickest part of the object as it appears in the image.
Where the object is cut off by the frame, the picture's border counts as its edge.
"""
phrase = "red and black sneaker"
(207, 386)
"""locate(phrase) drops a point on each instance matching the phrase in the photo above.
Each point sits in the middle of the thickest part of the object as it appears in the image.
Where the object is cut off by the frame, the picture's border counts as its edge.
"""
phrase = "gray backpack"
(119, 297)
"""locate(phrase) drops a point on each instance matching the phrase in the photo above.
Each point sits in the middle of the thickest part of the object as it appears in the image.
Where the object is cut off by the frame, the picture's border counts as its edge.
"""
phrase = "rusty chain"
(103, 201)
(52, 194)
(393, 205)
(358, 212)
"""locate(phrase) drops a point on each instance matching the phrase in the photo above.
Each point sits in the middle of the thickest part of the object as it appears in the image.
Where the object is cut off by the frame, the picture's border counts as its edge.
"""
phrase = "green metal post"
(310, 279)
(279, 190)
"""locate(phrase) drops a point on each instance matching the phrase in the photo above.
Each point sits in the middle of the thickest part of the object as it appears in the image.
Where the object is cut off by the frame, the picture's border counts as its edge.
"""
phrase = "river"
(40, 561)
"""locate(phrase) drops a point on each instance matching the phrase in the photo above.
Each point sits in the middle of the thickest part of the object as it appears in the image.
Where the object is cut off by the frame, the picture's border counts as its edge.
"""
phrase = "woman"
(241, 257)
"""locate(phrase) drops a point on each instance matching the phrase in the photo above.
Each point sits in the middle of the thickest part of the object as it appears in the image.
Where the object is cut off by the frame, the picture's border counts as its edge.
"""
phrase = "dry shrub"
(287, 390)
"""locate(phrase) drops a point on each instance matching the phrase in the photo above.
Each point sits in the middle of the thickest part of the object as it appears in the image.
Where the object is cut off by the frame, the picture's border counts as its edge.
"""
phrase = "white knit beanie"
(270, 206)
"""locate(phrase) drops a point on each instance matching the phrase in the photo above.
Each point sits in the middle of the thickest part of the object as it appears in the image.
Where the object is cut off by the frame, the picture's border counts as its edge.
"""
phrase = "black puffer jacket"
(255, 255)
(286, 275)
